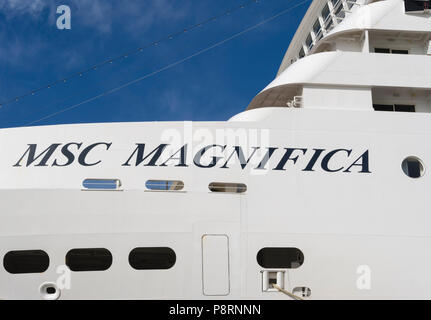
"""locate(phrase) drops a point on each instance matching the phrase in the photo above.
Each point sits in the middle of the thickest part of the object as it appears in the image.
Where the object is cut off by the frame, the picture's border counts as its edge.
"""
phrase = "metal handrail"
(328, 23)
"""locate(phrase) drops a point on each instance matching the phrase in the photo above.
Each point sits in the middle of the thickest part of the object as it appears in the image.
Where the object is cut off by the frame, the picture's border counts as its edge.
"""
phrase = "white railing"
(337, 13)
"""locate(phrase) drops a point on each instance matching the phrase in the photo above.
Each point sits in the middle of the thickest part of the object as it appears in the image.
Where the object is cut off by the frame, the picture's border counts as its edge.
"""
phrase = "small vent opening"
(51, 290)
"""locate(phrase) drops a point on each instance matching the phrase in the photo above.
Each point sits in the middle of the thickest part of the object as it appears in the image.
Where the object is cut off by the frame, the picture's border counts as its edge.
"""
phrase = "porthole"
(413, 167)
(80, 260)
(152, 258)
(26, 261)
(280, 258)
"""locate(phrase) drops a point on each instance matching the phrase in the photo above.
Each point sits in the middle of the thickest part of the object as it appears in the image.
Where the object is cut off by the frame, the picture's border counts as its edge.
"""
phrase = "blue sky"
(210, 87)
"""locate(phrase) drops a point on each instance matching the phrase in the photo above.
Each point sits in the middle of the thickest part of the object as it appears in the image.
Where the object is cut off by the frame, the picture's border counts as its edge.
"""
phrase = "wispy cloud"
(14, 8)
(94, 14)
(133, 18)
(15, 51)
(140, 15)
(100, 14)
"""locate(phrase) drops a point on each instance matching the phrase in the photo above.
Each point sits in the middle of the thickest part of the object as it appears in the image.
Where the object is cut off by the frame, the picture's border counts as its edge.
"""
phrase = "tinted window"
(329, 23)
(227, 187)
(152, 258)
(317, 30)
(383, 107)
(397, 107)
(316, 27)
(301, 53)
(382, 50)
(309, 41)
(166, 185)
(350, 3)
(286, 258)
(394, 51)
(89, 259)
(31, 261)
(413, 167)
(404, 108)
(101, 184)
(325, 12)
(339, 12)
(417, 5)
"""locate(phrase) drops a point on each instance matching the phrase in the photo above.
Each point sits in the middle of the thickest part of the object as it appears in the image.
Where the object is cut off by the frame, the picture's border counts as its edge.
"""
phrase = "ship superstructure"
(356, 55)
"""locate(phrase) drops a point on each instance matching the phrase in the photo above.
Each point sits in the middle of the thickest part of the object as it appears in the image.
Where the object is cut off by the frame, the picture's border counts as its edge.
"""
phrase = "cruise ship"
(316, 191)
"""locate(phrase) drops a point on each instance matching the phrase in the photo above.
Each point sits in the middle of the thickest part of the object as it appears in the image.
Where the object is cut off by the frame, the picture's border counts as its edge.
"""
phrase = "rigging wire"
(169, 66)
(110, 61)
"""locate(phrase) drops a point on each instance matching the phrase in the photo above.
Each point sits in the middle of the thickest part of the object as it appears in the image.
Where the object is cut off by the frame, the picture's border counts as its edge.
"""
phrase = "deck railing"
(333, 13)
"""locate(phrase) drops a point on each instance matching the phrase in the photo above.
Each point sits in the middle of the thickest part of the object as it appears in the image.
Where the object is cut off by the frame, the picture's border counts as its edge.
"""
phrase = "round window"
(413, 167)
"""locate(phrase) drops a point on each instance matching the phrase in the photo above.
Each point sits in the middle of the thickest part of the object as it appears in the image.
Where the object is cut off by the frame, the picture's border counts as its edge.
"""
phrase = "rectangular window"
(396, 107)
(329, 23)
(317, 30)
(301, 53)
(325, 12)
(382, 50)
(404, 108)
(383, 107)
(339, 11)
(309, 42)
(316, 27)
(417, 5)
(394, 51)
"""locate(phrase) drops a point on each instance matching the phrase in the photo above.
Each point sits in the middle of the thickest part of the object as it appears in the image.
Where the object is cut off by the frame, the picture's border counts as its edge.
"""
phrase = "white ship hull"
(372, 216)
